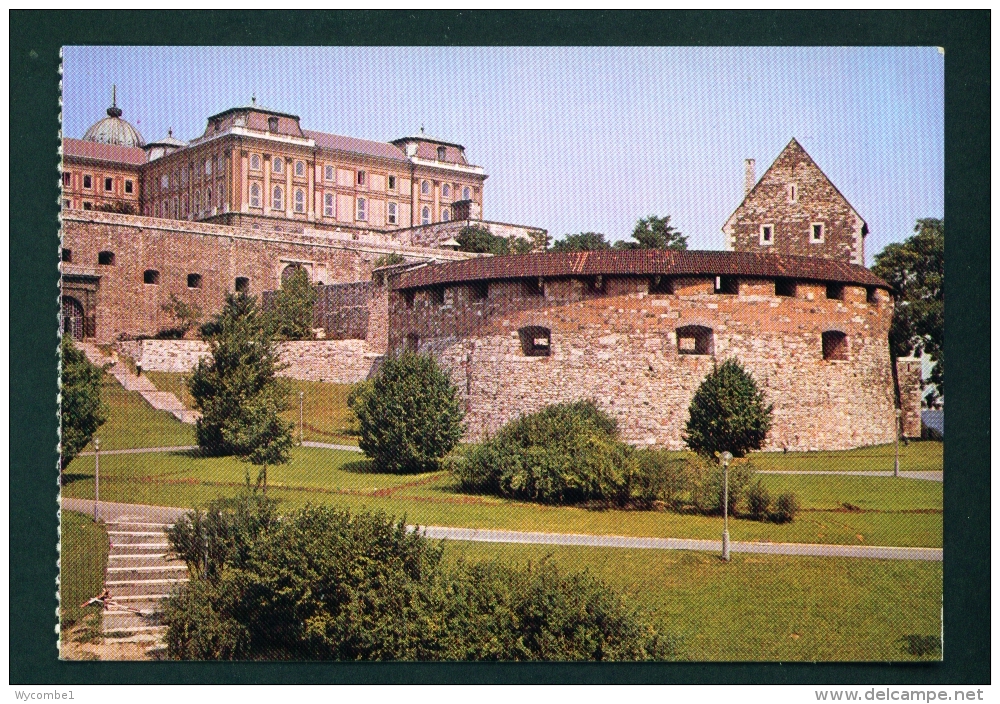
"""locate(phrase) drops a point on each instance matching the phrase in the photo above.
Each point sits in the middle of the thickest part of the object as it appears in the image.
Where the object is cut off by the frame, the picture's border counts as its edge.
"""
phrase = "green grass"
(759, 607)
(133, 423)
(345, 479)
(83, 560)
(923, 455)
(325, 415)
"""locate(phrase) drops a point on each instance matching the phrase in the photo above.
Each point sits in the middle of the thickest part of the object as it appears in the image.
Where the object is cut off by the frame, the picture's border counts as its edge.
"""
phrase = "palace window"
(87, 183)
(129, 187)
(242, 284)
(392, 183)
(106, 258)
(174, 212)
(727, 285)
(208, 199)
(87, 205)
(466, 194)
(446, 191)
(151, 276)
(254, 162)
(425, 188)
(272, 124)
(695, 339)
(361, 178)
(328, 205)
(277, 199)
(197, 203)
(67, 178)
(300, 168)
(254, 195)
(66, 203)
(835, 292)
(784, 288)
(165, 211)
(67, 256)
(441, 153)
(276, 164)
(184, 206)
(536, 341)
(194, 280)
(208, 166)
(184, 176)
(300, 200)
(816, 232)
(362, 213)
(222, 164)
(109, 184)
(767, 234)
(425, 216)
(392, 214)
(834, 345)
(445, 215)
(328, 172)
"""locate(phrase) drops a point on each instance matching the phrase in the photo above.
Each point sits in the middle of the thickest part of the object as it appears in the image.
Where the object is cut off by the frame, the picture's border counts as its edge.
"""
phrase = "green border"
(36, 37)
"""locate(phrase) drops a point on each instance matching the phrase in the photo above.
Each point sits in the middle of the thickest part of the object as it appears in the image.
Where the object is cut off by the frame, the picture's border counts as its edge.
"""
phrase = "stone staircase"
(160, 400)
(140, 576)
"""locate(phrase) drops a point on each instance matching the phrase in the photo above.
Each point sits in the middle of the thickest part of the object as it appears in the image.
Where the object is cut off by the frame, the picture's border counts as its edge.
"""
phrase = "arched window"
(425, 188)
(242, 284)
(254, 195)
(446, 191)
(466, 193)
(300, 200)
(255, 162)
(445, 215)
(328, 205)
(425, 216)
(197, 202)
(276, 164)
(695, 339)
(535, 341)
(835, 345)
(208, 167)
(185, 203)
(277, 199)
(208, 199)
(300, 168)
(289, 271)
(328, 172)
(151, 276)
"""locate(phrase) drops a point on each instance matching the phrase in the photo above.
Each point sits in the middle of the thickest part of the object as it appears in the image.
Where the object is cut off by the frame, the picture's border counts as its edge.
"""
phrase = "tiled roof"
(640, 262)
(132, 156)
(381, 150)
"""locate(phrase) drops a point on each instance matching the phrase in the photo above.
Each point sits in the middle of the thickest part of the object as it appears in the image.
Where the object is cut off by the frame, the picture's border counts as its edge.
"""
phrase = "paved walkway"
(142, 450)
(115, 511)
(928, 475)
(330, 446)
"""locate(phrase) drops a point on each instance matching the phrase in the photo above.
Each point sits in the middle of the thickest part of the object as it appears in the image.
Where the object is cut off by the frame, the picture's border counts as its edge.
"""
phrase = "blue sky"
(577, 139)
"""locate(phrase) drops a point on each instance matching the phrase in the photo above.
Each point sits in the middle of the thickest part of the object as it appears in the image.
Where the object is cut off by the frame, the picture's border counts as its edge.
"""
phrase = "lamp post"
(97, 478)
(899, 422)
(302, 395)
(726, 457)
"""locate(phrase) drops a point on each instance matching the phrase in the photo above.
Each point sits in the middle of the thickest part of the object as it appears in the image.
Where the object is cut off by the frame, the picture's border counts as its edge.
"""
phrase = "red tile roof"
(639, 262)
(132, 156)
(381, 150)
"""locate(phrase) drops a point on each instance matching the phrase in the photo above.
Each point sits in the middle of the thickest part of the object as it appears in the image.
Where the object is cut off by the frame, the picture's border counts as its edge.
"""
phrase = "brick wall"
(620, 348)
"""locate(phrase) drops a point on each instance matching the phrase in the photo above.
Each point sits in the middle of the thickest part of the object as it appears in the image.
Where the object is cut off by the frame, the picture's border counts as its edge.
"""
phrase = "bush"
(389, 259)
(660, 476)
(707, 484)
(81, 410)
(758, 502)
(291, 310)
(409, 415)
(786, 508)
(565, 453)
(727, 413)
(326, 584)
(479, 239)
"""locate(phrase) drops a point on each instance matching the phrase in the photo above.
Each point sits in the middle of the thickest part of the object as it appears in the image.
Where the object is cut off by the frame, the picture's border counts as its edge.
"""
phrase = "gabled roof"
(382, 150)
(793, 147)
(640, 262)
(131, 156)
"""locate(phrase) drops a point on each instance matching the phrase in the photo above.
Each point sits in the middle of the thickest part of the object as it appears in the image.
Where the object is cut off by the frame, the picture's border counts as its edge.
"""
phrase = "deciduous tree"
(654, 232)
(81, 410)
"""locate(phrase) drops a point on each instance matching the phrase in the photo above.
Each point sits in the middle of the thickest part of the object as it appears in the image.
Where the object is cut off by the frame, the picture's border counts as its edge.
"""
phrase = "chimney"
(751, 176)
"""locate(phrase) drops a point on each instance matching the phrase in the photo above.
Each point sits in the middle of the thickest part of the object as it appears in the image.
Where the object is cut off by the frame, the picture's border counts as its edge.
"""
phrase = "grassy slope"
(760, 607)
(325, 414)
(343, 478)
(132, 422)
(83, 560)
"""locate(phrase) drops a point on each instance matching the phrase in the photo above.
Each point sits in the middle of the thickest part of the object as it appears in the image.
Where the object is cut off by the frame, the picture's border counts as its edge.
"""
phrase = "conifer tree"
(728, 412)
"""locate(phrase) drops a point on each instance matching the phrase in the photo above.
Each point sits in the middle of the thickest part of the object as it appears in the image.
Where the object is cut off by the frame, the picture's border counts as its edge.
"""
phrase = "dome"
(113, 129)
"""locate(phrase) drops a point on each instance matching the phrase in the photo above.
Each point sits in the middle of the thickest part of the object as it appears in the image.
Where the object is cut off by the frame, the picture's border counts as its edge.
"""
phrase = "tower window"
(466, 194)
(727, 285)
(272, 124)
(242, 284)
(536, 341)
(441, 153)
(194, 280)
(392, 213)
(816, 232)
(767, 234)
(784, 288)
(151, 276)
(208, 170)
(834, 345)
(392, 183)
(871, 295)
(695, 339)
(129, 187)
(835, 292)
(793, 193)
(106, 258)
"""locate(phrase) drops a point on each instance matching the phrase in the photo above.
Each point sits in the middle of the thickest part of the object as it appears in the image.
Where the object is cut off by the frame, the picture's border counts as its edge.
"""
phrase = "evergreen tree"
(238, 392)
(654, 233)
(81, 410)
(291, 312)
(728, 412)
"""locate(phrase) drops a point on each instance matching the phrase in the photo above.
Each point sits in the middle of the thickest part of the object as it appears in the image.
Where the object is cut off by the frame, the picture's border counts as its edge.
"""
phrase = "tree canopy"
(291, 311)
(581, 242)
(81, 410)
(728, 412)
(915, 268)
(654, 232)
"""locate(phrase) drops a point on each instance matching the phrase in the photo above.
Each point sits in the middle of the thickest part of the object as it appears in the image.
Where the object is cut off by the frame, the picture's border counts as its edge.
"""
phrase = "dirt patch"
(81, 643)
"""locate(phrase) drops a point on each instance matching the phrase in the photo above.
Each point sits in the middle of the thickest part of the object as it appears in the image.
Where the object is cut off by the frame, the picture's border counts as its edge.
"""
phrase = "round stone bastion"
(637, 331)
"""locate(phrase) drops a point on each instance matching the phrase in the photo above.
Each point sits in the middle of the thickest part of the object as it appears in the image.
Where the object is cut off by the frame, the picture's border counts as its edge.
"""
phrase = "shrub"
(660, 476)
(786, 508)
(565, 453)
(186, 314)
(409, 415)
(707, 484)
(291, 310)
(758, 502)
(389, 259)
(727, 413)
(479, 238)
(326, 584)
(81, 410)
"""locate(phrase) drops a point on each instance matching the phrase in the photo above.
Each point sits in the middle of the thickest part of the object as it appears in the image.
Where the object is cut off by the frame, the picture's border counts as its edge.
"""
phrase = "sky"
(577, 139)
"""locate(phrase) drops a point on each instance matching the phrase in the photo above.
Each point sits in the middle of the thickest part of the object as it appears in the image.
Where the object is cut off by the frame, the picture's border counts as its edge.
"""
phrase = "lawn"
(133, 423)
(83, 560)
(759, 607)
(902, 512)
(920, 455)
(325, 415)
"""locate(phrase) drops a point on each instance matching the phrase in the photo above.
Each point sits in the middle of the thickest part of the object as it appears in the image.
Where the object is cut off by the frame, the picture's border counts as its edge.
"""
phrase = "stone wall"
(620, 347)
(216, 255)
(433, 235)
(909, 373)
(333, 361)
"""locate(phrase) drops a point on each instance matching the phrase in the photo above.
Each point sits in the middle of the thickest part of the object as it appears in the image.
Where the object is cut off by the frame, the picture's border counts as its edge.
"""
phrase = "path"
(111, 511)
(160, 400)
(927, 475)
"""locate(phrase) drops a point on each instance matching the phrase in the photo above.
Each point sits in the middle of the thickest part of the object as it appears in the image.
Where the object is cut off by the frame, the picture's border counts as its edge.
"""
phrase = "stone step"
(123, 621)
(143, 587)
(144, 560)
(135, 537)
(159, 571)
(148, 548)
